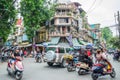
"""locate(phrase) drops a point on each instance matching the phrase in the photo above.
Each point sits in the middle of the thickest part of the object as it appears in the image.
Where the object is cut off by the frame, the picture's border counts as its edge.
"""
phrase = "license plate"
(77, 69)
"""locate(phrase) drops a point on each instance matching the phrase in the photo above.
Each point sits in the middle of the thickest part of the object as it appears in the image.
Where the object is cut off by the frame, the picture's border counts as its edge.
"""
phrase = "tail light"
(77, 64)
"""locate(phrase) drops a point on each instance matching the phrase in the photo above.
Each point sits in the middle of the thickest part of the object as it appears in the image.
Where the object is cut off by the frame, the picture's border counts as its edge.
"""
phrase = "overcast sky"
(101, 12)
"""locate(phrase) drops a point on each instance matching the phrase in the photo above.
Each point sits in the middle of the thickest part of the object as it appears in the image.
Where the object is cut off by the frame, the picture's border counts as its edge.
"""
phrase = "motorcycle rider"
(83, 57)
(14, 56)
(117, 55)
(102, 58)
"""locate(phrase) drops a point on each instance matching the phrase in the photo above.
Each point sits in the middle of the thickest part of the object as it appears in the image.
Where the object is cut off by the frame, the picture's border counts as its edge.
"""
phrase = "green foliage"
(115, 42)
(83, 14)
(35, 13)
(107, 34)
(7, 17)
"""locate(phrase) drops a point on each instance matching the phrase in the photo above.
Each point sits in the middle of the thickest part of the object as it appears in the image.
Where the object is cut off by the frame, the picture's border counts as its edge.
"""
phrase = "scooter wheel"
(80, 72)
(69, 69)
(94, 77)
(18, 77)
(113, 74)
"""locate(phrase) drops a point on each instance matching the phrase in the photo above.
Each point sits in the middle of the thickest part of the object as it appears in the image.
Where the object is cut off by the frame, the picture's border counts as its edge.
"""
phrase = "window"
(52, 21)
(63, 20)
(68, 29)
(50, 48)
(67, 50)
(58, 29)
(61, 50)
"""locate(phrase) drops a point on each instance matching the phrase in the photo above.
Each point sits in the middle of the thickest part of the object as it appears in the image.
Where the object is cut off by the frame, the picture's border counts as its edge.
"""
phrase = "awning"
(75, 42)
(90, 44)
(25, 45)
(64, 44)
(54, 40)
(39, 45)
(82, 42)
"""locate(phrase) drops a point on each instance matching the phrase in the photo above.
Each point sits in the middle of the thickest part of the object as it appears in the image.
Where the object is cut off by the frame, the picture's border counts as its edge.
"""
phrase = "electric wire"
(92, 5)
(95, 7)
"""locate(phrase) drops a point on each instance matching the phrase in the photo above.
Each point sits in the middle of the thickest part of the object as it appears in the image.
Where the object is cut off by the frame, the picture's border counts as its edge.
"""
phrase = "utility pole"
(118, 24)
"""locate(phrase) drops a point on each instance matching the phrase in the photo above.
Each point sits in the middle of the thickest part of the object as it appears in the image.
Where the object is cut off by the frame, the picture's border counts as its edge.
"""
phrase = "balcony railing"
(66, 24)
(59, 35)
(64, 7)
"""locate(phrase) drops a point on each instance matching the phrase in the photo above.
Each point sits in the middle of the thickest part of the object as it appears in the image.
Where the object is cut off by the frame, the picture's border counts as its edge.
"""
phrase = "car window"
(51, 48)
(61, 50)
(67, 50)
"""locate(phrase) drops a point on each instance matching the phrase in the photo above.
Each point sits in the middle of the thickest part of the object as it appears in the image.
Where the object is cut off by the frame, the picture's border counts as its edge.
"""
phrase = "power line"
(96, 7)
(92, 5)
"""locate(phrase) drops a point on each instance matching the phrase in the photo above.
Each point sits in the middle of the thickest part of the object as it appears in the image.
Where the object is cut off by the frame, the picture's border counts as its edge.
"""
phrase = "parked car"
(55, 54)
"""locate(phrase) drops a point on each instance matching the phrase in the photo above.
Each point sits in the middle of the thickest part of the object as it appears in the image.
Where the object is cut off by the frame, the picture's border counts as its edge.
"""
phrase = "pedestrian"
(25, 53)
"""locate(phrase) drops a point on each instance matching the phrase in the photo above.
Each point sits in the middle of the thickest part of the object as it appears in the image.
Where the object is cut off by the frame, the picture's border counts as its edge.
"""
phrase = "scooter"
(72, 64)
(19, 68)
(4, 58)
(116, 57)
(38, 58)
(82, 68)
(97, 71)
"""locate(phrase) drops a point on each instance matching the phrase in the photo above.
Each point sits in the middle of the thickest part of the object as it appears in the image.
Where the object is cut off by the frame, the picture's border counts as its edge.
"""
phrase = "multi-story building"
(65, 24)
(68, 27)
(95, 33)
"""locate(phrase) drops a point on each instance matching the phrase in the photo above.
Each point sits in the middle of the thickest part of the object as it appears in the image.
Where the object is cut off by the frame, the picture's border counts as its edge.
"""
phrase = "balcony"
(65, 24)
(64, 6)
(84, 30)
(63, 14)
(59, 35)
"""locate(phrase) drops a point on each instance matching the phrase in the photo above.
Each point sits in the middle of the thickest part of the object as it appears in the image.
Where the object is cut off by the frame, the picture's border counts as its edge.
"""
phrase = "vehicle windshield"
(51, 48)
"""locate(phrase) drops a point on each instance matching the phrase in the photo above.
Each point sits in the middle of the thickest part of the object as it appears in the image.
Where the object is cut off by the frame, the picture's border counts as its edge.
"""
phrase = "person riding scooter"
(101, 58)
(83, 57)
(15, 55)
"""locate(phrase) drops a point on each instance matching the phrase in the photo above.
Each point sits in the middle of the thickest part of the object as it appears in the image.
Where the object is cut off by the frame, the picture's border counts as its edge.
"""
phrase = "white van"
(55, 54)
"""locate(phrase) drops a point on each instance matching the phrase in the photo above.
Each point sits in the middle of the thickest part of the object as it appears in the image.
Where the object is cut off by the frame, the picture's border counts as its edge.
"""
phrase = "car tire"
(50, 63)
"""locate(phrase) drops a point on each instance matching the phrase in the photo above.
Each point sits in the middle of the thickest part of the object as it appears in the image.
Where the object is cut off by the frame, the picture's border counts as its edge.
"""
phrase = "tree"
(35, 13)
(115, 42)
(7, 17)
(107, 34)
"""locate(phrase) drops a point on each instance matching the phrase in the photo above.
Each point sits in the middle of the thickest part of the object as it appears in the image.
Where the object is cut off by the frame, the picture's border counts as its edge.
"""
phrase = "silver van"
(55, 55)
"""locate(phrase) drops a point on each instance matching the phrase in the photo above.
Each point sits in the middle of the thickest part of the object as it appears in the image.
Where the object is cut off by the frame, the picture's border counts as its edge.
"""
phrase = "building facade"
(65, 24)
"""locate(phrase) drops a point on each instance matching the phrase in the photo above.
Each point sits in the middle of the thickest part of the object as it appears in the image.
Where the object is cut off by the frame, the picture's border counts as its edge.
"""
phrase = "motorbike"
(4, 57)
(72, 64)
(116, 57)
(38, 58)
(19, 68)
(82, 68)
(98, 70)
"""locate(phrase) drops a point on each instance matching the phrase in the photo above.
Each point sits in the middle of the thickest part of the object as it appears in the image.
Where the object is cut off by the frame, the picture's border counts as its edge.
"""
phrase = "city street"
(41, 71)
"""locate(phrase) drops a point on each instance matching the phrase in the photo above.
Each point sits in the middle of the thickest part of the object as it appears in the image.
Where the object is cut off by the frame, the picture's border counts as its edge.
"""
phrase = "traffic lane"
(37, 71)
(45, 72)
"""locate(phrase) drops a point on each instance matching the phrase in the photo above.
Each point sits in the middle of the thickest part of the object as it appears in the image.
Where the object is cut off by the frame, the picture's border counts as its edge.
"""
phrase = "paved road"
(41, 71)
